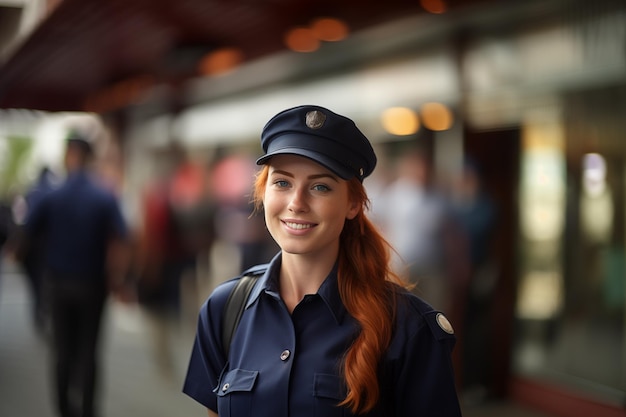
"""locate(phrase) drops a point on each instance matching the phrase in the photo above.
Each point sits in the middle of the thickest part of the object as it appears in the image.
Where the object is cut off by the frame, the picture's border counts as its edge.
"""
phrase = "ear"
(353, 210)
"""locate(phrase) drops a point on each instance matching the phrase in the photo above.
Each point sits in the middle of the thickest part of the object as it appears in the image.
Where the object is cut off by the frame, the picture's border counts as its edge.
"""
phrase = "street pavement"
(132, 382)
(135, 380)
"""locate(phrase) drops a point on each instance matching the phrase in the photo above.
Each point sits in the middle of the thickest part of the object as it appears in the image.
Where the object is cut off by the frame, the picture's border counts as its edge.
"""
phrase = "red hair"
(366, 287)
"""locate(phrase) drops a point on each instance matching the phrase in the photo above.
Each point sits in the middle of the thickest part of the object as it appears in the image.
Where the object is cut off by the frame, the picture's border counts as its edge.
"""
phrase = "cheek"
(337, 215)
(269, 214)
(271, 204)
(349, 210)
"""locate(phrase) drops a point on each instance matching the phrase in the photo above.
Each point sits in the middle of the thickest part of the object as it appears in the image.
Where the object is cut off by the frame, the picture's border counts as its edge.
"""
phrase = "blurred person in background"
(84, 238)
(29, 252)
(475, 212)
(178, 226)
(328, 329)
(6, 230)
(232, 177)
(415, 216)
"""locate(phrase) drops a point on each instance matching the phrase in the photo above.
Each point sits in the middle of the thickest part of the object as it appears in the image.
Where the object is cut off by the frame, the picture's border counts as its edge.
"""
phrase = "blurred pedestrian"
(82, 230)
(475, 212)
(5, 223)
(232, 178)
(29, 252)
(178, 226)
(327, 329)
(6, 230)
(414, 215)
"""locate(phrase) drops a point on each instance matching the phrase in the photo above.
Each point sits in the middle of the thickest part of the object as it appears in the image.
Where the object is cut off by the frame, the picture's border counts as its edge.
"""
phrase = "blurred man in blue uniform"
(79, 223)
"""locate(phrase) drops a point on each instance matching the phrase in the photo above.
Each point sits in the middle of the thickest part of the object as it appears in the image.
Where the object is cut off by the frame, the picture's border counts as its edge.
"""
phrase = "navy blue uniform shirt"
(283, 364)
(76, 221)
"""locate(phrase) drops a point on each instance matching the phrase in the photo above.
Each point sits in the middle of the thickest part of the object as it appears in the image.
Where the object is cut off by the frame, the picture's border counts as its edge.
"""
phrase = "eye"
(281, 183)
(321, 188)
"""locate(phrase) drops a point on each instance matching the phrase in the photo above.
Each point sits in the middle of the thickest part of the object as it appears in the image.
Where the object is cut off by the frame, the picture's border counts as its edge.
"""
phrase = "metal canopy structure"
(86, 47)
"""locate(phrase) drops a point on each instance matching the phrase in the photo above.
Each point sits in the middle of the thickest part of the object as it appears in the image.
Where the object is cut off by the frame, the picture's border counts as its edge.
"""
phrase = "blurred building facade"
(534, 91)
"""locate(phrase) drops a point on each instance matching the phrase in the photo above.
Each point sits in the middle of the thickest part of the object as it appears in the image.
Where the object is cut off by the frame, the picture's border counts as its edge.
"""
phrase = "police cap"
(319, 134)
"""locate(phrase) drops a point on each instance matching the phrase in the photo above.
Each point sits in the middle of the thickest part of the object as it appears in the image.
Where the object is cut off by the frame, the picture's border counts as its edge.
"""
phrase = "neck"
(300, 276)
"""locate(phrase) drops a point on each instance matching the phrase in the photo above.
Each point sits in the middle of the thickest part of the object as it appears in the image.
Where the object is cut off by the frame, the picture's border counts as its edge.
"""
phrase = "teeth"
(298, 225)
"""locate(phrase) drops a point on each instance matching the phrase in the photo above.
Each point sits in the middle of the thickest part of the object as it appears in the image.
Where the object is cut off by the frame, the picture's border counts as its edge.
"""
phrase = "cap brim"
(321, 159)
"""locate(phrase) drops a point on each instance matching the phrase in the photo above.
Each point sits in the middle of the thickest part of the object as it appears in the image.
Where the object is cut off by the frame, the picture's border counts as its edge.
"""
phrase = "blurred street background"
(499, 129)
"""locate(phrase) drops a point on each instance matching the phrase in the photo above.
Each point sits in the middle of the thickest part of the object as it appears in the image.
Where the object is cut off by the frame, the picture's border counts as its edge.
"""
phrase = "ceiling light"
(301, 40)
(434, 6)
(221, 61)
(436, 116)
(329, 29)
(400, 121)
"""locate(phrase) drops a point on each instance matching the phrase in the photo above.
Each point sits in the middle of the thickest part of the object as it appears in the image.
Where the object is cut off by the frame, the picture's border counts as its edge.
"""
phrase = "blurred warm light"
(329, 29)
(434, 6)
(540, 295)
(302, 40)
(118, 95)
(596, 200)
(221, 61)
(542, 181)
(400, 121)
(436, 116)
(594, 174)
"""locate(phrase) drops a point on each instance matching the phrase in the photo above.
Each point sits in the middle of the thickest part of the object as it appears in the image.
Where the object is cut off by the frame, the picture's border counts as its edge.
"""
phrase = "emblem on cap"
(315, 119)
(443, 322)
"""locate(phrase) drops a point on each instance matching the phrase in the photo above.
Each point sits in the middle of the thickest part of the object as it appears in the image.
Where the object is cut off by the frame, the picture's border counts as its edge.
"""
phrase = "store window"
(570, 311)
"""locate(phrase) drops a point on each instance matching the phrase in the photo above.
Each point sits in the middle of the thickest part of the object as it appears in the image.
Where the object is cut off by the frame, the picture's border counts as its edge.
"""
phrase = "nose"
(298, 202)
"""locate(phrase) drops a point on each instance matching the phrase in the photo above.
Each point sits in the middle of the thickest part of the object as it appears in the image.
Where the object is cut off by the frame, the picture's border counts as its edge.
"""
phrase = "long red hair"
(366, 287)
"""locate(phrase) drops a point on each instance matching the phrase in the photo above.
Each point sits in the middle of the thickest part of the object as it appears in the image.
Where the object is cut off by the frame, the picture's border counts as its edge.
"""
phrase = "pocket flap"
(329, 386)
(236, 380)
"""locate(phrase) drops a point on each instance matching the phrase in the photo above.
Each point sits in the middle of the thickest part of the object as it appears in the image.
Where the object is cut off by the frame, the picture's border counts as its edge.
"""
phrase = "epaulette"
(439, 325)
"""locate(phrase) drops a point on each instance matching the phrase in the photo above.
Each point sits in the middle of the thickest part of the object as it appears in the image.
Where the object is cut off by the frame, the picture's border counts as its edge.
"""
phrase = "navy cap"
(83, 141)
(319, 134)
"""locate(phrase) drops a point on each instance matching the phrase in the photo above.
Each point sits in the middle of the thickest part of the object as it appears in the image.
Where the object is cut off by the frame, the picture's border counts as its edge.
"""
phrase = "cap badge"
(443, 322)
(315, 119)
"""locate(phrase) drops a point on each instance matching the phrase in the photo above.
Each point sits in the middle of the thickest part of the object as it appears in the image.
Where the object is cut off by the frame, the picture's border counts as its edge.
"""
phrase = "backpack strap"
(235, 304)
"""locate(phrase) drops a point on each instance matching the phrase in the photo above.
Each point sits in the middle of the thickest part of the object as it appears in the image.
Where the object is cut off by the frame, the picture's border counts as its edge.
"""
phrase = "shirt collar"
(77, 175)
(328, 291)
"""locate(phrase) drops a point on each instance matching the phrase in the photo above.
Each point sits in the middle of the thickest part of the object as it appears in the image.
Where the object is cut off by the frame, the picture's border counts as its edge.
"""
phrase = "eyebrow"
(310, 177)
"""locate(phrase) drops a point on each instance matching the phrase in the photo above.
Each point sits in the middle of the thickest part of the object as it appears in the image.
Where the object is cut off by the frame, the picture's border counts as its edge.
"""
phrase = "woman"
(327, 330)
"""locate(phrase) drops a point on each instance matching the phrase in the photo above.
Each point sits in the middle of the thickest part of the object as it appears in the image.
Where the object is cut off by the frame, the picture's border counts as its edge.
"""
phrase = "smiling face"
(306, 206)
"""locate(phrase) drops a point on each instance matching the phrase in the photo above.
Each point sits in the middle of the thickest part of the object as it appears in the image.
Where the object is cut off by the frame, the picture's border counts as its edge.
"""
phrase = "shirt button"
(285, 355)
(225, 387)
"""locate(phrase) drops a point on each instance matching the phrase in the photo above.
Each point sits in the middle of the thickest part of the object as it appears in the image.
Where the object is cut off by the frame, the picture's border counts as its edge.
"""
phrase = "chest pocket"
(234, 393)
(329, 391)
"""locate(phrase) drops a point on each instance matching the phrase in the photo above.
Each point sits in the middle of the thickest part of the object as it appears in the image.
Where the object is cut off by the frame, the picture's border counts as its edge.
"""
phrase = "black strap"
(234, 307)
